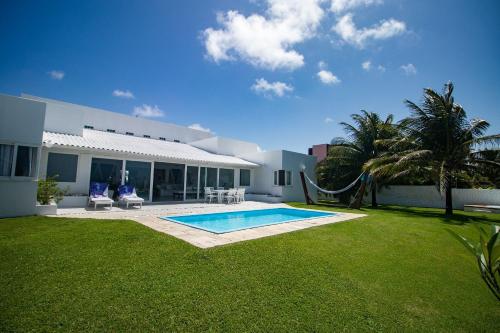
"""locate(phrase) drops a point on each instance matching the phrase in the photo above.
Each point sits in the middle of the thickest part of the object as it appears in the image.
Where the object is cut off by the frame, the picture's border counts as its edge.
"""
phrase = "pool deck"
(150, 216)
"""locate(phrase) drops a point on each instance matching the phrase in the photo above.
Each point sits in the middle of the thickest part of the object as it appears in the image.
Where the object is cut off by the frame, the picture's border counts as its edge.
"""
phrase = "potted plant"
(48, 195)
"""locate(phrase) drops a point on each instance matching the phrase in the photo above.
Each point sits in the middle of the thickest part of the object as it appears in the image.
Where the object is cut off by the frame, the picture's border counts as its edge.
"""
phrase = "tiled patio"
(150, 215)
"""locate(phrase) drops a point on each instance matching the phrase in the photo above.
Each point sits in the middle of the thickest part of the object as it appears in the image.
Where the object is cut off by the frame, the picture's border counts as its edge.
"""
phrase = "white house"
(40, 137)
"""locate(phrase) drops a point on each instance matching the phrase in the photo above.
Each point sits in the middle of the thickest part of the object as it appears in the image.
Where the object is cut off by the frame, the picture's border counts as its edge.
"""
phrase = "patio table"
(220, 195)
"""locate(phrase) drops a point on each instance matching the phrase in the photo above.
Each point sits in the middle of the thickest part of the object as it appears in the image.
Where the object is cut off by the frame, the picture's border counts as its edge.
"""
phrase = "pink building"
(320, 151)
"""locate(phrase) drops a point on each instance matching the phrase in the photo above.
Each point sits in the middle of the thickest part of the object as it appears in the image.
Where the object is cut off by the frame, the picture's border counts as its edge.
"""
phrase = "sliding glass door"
(192, 183)
(108, 171)
(208, 178)
(138, 174)
(168, 182)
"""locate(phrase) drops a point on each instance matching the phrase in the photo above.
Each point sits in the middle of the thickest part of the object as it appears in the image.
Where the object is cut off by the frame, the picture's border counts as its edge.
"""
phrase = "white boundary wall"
(429, 196)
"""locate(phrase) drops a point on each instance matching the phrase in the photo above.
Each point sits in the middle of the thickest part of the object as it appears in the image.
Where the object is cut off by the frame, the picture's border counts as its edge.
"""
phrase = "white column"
(198, 186)
(123, 172)
(217, 184)
(151, 181)
(185, 182)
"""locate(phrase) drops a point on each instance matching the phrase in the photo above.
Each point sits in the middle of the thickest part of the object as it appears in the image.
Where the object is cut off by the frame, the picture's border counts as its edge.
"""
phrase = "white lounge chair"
(128, 196)
(99, 195)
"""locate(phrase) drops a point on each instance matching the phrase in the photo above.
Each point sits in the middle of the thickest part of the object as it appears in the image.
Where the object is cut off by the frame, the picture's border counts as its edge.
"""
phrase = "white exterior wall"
(62, 117)
(294, 162)
(21, 123)
(269, 161)
(82, 183)
(281, 159)
(429, 196)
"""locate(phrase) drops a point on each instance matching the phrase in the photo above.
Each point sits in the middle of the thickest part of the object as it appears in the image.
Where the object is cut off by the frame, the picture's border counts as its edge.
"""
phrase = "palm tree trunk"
(449, 201)
(374, 195)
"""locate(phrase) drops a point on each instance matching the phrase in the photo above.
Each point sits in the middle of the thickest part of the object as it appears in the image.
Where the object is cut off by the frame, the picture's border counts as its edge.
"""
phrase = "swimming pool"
(232, 221)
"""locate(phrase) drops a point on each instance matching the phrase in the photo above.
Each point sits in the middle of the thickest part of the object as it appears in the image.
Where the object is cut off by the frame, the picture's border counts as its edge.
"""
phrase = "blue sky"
(281, 74)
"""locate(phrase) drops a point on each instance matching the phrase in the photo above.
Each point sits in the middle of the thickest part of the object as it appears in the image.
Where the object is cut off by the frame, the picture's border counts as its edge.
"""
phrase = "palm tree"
(351, 153)
(439, 140)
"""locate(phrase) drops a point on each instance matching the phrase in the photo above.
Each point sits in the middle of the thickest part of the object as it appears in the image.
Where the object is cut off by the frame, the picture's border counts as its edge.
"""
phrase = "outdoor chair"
(128, 196)
(209, 195)
(231, 197)
(240, 195)
(99, 195)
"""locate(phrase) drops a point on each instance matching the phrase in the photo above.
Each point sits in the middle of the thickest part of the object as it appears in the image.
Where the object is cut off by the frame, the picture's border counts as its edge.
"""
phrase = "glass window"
(62, 167)
(279, 177)
(192, 182)
(168, 182)
(6, 156)
(226, 178)
(25, 161)
(288, 178)
(108, 171)
(244, 177)
(211, 177)
(138, 174)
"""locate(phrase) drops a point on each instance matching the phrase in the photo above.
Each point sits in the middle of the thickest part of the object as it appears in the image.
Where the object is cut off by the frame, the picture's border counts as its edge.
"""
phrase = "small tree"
(48, 191)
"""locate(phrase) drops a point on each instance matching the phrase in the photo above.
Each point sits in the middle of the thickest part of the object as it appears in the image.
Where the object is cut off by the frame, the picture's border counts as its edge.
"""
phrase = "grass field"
(396, 270)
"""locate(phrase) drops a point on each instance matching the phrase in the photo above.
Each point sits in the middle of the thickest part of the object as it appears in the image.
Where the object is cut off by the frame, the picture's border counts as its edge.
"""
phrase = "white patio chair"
(209, 195)
(240, 195)
(231, 196)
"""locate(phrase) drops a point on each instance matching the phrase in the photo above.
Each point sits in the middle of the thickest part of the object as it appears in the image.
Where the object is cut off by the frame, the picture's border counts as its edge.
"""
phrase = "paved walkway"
(150, 216)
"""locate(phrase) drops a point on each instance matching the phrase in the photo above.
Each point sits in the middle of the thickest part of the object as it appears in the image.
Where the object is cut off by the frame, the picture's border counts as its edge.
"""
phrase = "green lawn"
(397, 269)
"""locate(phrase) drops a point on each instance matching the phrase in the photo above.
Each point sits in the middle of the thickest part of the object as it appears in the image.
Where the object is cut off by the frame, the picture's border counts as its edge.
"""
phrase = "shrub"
(48, 191)
(487, 253)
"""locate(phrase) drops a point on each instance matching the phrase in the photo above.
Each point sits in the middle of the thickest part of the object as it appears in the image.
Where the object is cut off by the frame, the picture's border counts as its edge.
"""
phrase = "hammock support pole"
(309, 201)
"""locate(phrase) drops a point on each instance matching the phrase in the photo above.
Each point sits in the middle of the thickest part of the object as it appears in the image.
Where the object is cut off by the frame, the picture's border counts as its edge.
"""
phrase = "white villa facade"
(40, 137)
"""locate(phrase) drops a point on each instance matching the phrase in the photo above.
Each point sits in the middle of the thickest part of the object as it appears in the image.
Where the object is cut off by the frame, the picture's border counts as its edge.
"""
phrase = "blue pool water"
(231, 221)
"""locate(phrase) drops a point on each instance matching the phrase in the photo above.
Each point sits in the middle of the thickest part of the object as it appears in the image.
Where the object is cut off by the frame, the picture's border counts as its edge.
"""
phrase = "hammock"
(334, 192)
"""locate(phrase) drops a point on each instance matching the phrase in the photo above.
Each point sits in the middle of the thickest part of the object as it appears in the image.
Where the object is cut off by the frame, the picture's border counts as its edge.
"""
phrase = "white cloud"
(265, 41)
(123, 94)
(200, 128)
(381, 68)
(409, 69)
(327, 77)
(367, 65)
(261, 86)
(56, 75)
(322, 65)
(147, 111)
(339, 6)
(349, 33)
(328, 120)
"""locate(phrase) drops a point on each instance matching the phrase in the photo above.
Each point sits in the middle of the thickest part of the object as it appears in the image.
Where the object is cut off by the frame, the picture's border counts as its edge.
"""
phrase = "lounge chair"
(99, 195)
(128, 195)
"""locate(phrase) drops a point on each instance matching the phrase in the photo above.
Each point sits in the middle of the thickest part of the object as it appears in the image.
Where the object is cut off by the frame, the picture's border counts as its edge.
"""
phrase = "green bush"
(48, 191)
